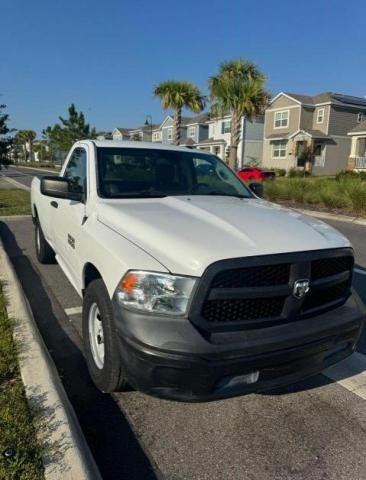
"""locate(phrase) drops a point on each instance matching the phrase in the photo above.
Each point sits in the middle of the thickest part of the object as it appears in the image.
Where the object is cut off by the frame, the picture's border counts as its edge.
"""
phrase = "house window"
(191, 132)
(360, 117)
(170, 134)
(226, 126)
(279, 149)
(281, 119)
(320, 115)
(156, 136)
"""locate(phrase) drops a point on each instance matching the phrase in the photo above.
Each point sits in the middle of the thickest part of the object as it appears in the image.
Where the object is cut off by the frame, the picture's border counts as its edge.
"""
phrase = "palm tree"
(177, 95)
(27, 137)
(238, 89)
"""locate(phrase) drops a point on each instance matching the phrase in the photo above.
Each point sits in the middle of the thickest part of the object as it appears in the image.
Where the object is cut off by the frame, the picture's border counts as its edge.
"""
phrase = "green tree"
(239, 89)
(62, 135)
(5, 139)
(177, 95)
(26, 138)
(42, 151)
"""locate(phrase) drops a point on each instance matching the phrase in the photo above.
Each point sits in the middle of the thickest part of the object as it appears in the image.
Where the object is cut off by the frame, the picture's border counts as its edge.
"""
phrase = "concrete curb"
(333, 216)
(38, 168)
(68, 455)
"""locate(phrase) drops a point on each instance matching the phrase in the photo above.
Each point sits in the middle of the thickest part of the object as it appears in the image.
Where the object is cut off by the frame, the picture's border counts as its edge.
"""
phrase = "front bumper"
(170, 358)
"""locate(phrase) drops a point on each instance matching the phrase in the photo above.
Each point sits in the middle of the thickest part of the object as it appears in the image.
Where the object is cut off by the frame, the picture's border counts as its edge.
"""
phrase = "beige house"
(322, 122)
(357, 158)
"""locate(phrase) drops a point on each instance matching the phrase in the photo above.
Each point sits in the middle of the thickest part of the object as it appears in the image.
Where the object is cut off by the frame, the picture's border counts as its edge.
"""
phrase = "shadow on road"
(116, 450)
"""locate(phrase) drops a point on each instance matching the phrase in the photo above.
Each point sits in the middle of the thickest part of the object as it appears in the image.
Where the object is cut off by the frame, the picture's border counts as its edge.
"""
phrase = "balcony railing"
(360, 162)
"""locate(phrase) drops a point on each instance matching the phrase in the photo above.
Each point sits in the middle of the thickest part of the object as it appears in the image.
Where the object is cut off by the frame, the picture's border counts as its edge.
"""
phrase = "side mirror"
(59, 187)
(257, 188)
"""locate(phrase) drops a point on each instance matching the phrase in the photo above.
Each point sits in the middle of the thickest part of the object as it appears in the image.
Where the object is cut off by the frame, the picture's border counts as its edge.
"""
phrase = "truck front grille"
(257, 292)
(245, 309)
(326, 267)
(261, 276)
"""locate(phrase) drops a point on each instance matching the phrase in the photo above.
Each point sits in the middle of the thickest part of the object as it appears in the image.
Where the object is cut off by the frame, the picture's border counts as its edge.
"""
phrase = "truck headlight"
(155, 292)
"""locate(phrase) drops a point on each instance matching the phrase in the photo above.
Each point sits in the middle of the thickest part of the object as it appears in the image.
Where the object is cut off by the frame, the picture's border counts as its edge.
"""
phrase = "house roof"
(202, 118)
(187, 141)
(300, 98)
(211, 141)
(360, 127)
(278, 136)
(316, 133)
(145, 128)
(124, 130)
(325, 97)
(311, 133)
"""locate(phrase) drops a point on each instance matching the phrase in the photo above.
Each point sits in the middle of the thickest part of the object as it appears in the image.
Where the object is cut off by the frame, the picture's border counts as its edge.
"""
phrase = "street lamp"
(148, 121)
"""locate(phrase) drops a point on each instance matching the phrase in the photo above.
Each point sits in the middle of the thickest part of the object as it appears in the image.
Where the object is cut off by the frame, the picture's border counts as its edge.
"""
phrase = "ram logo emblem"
(301, 288)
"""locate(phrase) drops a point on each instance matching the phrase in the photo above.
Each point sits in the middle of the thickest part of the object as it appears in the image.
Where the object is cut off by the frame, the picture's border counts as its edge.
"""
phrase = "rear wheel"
(44, 251)
(100, 339)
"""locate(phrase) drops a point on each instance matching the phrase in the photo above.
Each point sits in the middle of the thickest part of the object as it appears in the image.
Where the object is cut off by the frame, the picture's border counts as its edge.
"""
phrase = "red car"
(256, 174)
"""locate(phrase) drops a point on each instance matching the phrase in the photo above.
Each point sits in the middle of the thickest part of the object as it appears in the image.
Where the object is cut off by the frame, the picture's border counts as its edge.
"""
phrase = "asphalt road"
(314, 430)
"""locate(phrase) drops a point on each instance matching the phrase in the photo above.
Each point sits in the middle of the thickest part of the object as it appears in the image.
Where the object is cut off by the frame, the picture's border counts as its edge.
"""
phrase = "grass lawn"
(342, 194)
(16, 426)
(14, 201)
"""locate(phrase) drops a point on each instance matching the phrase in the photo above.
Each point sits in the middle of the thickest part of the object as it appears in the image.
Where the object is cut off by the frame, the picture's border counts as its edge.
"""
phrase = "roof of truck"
(134, 144)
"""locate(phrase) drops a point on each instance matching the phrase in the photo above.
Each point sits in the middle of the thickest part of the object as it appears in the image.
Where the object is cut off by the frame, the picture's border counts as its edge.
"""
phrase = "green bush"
(345, 174)
(357, 196)
(280, 172)
(296, 173)
(347, 192)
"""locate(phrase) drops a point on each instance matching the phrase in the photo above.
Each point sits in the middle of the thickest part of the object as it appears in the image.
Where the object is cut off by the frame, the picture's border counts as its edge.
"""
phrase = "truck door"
(69, 215)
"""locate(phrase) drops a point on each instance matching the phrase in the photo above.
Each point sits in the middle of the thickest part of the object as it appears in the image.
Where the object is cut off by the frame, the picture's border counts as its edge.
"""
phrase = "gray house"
(250, 142)
(323, 121)
(193, 129)
(121, 133)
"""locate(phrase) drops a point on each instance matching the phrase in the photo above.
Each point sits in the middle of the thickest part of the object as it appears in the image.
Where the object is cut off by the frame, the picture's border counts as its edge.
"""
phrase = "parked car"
(193, 288)
(255, 174)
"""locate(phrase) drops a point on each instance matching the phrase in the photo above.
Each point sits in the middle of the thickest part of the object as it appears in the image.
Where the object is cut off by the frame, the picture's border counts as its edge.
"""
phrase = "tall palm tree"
(239, 89)
(26, 137)
(177, 95)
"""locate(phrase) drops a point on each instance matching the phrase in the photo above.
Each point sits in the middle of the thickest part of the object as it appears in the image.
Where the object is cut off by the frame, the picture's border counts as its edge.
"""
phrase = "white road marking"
(73, 311)
(15, 183)
(350, 374)
(359, 271)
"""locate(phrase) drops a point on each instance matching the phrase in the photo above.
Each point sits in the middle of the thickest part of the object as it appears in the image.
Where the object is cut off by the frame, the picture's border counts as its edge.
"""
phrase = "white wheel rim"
(96, 335)
(38, 240)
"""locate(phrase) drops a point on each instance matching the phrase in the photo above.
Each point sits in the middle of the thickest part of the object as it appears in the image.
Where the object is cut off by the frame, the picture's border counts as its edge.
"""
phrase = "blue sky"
(106, 56)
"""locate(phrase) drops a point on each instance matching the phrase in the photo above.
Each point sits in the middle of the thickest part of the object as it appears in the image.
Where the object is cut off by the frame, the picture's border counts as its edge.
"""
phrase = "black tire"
(109, 377)
(44, 251)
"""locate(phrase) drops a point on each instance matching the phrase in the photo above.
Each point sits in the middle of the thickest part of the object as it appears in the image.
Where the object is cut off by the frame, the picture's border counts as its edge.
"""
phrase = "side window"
(76, 171)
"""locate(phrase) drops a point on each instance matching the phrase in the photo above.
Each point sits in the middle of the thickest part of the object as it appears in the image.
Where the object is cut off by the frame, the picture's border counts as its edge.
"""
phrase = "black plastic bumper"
(170, 358)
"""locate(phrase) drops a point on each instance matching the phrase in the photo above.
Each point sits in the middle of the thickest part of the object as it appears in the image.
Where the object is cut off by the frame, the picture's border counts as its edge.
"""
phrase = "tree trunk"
(234, 140)
(25, 151)
(31, 150)
(177, 125)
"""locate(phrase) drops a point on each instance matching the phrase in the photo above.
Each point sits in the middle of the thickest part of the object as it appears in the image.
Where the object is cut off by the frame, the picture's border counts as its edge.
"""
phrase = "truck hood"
(186, 234)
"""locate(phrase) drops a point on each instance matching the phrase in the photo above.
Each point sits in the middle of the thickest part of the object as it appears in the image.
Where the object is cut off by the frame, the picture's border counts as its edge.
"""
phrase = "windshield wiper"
(220, 194)
(141, 194)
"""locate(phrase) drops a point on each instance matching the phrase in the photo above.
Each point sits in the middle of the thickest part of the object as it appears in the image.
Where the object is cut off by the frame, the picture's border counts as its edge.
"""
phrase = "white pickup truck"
(193, 287)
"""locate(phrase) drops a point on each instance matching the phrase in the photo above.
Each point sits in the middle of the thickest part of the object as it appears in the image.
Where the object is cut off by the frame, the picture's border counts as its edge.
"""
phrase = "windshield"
(141, 173)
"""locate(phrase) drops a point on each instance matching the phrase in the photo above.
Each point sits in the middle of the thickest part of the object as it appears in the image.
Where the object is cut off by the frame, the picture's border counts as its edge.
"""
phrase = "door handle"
(54, 204)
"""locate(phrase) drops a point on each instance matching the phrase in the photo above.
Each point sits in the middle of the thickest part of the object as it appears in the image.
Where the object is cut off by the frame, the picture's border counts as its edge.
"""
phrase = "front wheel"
(44, 251)
(100, 339)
